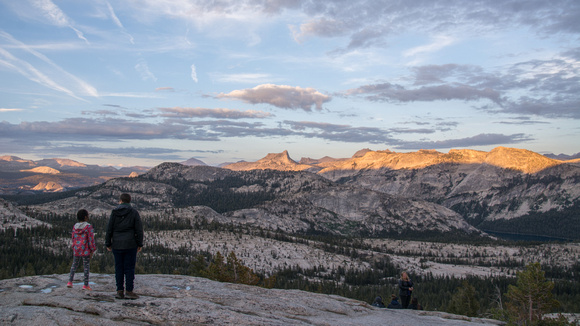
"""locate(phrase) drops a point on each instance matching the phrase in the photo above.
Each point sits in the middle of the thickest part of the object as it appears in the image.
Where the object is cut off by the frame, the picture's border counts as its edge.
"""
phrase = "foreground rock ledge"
(185, 300)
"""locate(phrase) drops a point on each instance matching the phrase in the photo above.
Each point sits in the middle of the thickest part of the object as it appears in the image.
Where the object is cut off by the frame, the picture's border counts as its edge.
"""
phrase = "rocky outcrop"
(272, 161)
(184, 300)
(42, 169)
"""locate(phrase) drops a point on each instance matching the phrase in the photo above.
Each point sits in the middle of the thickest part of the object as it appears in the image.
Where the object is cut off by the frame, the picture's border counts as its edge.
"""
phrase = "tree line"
(41, 251)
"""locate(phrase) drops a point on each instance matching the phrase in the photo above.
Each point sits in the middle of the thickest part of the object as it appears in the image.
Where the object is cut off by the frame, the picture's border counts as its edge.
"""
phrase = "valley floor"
(265, 255)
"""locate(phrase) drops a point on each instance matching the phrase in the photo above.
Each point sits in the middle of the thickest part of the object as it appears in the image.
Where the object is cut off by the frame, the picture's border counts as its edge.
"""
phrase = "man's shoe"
(69, 285)
(86, 287)
(131, 295)
(120, 295)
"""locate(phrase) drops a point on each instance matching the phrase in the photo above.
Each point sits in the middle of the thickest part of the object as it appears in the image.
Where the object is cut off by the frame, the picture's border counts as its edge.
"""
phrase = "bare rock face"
(185, 300)
(48, 186)
(13, 218)
(42, 169)
(272, 161)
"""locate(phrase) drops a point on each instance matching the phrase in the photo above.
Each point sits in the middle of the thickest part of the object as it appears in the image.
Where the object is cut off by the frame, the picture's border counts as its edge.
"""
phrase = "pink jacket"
(83, 240)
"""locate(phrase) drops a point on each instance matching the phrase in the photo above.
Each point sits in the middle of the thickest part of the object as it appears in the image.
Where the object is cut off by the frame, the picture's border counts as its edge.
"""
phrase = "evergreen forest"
(46, 250)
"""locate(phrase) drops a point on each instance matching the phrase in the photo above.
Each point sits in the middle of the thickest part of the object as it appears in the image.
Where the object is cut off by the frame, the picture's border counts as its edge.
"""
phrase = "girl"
(83, 244)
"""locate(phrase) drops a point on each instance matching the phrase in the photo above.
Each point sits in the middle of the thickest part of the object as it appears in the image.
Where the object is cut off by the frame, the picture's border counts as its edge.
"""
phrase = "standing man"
(124, 238)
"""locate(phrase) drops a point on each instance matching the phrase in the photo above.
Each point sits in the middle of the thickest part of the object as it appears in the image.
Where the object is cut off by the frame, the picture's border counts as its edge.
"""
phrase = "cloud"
(78, 129)
(548, 88)
(179, 112)
(10, 110)
(346, 19)
(478, 140)
(42, 77)
(193, 73)
(117, 22)
(143, 69)
(398, 93)
(166, 89)
(242, 78)
(438, 43)
(57, 17)
(340, 133)
(282, 96)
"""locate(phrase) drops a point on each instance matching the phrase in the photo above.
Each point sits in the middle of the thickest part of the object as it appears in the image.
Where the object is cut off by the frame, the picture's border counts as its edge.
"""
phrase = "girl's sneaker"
(69, 285)
(86, 287)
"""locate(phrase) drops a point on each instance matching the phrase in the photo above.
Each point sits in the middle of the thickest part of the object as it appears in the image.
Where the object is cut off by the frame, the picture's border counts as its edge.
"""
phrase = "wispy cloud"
(213, 113)
(282, 96)
(10, 110)
(57, 17)
(117, 22)
(249, 78)
(399, 93)
(143, 69)
(477, 140)
(31, 72)
(193, 73)
(438, 43)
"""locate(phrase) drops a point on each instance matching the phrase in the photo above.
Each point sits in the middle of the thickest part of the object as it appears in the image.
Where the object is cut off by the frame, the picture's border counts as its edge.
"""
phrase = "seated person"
(378, 302)
(415, 305)
(394, 303)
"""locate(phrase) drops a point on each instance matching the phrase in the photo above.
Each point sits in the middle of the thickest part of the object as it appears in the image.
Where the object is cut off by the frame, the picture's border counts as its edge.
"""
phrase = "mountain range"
(373, 193)
(21, 176)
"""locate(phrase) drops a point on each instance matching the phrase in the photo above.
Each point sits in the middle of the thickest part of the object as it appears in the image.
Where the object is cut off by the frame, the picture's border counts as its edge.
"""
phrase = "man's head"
(125, 198)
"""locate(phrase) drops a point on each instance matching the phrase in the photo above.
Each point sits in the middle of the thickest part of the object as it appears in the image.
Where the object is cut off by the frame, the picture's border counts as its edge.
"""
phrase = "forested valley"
(46, 250)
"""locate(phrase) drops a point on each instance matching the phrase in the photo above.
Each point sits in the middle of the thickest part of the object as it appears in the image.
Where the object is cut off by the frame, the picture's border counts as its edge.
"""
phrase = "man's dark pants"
(125, 260)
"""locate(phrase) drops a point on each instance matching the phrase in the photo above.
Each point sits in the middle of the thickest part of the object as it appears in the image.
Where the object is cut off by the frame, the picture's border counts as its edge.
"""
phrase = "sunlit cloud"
(10, 110)
(282, 96)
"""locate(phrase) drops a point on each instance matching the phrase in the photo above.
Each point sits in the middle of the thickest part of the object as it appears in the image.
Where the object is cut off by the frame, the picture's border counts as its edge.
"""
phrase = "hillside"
(505, 190)
(294, 202)
(185, 300)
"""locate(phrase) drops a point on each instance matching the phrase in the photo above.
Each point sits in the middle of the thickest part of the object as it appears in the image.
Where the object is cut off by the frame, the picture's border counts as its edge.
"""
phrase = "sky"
(141, 82)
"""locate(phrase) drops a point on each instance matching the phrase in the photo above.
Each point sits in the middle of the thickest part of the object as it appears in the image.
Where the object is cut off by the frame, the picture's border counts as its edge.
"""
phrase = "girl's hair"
(82, 214)
(404, 276)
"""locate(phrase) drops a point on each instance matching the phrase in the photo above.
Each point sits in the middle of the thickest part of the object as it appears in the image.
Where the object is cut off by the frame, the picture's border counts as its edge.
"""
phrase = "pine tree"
(532, 296)
(464, 301)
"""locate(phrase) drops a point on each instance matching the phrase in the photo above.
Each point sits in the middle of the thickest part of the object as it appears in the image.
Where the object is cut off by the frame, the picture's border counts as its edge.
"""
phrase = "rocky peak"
(193, 162)
(272, 161)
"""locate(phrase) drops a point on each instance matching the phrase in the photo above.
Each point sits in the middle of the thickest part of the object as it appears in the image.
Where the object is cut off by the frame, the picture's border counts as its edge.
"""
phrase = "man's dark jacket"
(125, 230)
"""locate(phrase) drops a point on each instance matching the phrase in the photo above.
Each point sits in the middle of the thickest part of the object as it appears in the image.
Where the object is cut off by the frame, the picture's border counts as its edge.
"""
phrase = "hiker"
(405, 289)
(124, 238)
(83, 245)
(378, 302)
(415, 304)
(394, 303)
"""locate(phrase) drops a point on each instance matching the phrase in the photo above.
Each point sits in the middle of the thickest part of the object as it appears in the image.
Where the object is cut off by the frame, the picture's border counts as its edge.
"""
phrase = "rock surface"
(185, 300)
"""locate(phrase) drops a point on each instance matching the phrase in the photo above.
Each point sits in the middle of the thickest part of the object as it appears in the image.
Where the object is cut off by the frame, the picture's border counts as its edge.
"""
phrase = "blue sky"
(141, 82)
